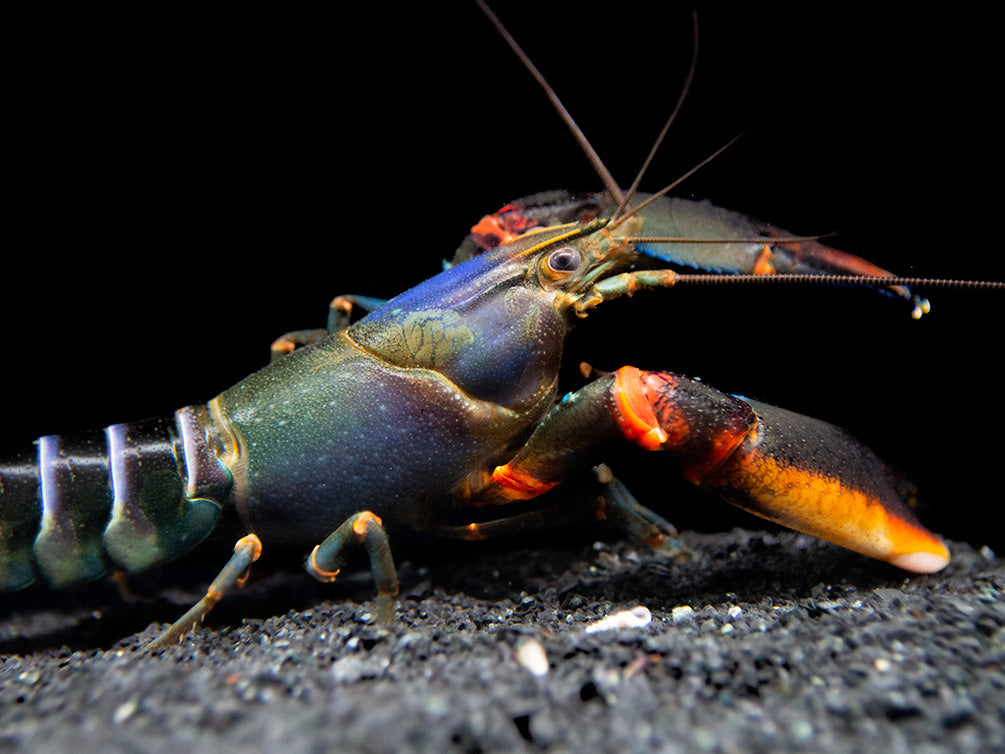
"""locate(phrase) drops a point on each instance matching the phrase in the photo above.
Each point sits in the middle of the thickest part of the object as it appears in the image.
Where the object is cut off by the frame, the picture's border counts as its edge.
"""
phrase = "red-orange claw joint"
(501, 227)
(636, 415)
(517, 485)
(696, 426)
(763, 264)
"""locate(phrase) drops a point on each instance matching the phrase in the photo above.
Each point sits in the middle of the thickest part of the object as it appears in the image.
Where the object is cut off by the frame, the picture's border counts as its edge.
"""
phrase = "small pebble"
(530, 653)
(682, 614)
(634, 618)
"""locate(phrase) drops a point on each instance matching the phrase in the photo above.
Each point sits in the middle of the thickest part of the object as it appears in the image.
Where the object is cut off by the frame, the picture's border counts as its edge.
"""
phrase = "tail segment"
(128, 497)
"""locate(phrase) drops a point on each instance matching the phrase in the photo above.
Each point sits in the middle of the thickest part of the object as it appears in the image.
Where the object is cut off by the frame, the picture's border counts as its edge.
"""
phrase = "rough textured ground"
(783, 644)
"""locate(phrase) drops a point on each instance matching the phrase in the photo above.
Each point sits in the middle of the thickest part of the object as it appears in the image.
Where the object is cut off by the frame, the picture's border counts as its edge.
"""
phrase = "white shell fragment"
(634, 618)
(530, 653)
(682, 614)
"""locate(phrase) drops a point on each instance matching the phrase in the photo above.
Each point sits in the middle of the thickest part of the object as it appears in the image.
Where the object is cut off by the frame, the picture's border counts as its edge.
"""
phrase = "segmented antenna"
(622, 199)
(865, 281)
(921, 305)
(605, 175)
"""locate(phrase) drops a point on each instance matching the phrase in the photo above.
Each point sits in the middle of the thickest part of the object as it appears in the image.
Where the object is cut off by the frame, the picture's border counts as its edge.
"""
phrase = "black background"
(184, 187)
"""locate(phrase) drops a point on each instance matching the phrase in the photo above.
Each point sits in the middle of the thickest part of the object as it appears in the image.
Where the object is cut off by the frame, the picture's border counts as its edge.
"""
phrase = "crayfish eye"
(565, 259)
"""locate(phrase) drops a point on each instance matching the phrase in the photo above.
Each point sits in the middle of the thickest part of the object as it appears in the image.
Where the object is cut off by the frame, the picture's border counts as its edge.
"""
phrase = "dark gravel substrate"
(789, 645)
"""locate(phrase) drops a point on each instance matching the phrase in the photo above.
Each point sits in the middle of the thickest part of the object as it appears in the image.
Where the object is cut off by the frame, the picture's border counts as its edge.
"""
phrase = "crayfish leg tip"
(155, 645)
(386, 608)
(921, 562)
(163, 641)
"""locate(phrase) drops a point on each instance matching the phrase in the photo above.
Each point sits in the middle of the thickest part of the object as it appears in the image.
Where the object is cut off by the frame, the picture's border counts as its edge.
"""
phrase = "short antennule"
(623, 204)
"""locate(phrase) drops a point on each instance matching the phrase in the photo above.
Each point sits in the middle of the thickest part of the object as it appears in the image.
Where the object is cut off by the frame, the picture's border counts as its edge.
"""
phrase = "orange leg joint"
(365, 530)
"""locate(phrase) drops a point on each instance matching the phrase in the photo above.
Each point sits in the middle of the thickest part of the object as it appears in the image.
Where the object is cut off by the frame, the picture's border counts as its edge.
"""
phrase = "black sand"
(789, 645)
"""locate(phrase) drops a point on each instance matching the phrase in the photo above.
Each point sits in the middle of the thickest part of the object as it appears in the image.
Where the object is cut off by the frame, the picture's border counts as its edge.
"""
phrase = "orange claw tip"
(923, 561)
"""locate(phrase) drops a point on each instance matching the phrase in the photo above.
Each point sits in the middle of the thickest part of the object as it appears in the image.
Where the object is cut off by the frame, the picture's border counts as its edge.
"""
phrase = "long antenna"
(865, 281)
(605, 175)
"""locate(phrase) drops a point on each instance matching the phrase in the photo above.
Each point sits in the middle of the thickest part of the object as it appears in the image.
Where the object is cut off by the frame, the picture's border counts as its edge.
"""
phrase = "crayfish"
(446, 400)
